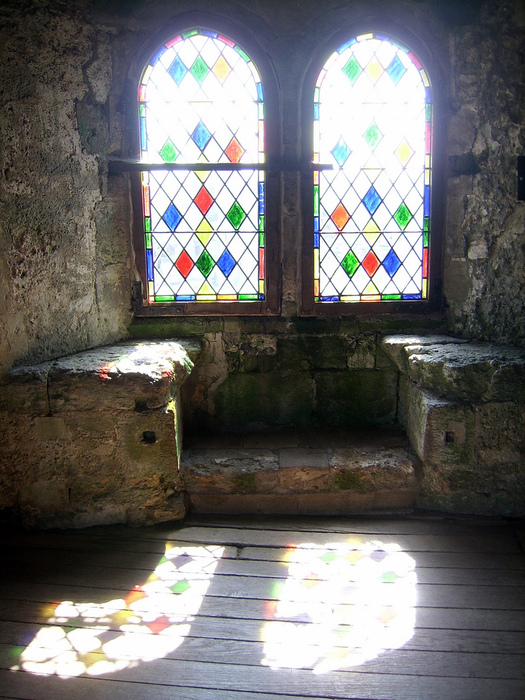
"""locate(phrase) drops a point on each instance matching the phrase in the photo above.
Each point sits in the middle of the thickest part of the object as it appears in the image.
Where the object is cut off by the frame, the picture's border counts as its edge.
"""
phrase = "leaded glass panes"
(201, 101)
(372, 121)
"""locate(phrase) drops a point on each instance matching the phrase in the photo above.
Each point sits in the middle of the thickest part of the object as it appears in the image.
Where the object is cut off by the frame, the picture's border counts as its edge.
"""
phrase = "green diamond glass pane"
(168, 152)
(352, 70)
(350, 263)
(372, 135)
(236, 215)
(199, 69)
(402, 216)
(205, 263)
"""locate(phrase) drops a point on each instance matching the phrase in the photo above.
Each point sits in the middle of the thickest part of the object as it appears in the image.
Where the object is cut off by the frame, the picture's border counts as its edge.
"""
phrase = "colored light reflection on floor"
(151, 622)
(341, 605)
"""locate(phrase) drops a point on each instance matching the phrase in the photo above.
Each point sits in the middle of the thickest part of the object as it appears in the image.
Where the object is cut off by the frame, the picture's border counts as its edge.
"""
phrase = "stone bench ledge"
(459, 369)
(118, 377)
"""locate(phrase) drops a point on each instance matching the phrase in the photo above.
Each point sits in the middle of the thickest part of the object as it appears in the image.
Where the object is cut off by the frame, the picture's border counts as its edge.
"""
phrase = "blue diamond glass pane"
(172, 217)
(396, 70)
(371, 200)
(201, 136)
(226, 263)
(177, 70)
(391, 263)
(341, 152)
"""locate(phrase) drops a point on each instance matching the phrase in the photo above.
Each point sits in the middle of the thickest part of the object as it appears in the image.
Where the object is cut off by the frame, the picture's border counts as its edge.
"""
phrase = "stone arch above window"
(373, 123)
(201, 128)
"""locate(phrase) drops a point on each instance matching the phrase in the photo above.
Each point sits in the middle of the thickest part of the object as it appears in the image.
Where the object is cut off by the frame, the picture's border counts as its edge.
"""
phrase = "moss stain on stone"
(347, 480)
(245, 483)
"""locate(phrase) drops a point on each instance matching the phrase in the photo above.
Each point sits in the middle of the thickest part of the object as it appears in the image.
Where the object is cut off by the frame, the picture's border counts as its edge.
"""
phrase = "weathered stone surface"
(120, 377)
(394, 346)
(230, 471)
(113, 459)
(24, 390)
(357, 398)
(459, 370)
(363, 469)
(246, 402)
(345, 503)
(440, 431)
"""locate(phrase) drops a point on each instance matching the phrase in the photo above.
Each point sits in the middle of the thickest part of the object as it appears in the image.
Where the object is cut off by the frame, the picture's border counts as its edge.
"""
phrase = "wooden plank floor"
(268, 609)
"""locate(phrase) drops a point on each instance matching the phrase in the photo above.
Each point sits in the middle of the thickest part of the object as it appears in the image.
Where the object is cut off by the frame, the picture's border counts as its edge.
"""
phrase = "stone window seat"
(95, 438)
(462, 404)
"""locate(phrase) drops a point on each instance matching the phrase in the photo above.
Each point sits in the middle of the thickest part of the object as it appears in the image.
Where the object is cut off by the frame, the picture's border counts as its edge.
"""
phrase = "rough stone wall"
(484, 271)
(64, 229)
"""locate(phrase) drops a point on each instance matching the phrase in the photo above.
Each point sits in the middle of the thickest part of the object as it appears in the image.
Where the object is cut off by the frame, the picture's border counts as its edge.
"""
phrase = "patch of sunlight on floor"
(151, 622)
(341, 605)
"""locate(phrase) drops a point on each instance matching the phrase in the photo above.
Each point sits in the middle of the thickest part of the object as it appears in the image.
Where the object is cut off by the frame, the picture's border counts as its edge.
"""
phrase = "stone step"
(301, 473)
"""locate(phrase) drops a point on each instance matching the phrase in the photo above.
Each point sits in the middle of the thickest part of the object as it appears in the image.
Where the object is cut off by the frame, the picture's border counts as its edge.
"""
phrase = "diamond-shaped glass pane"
(371, 263)
(201, 135)
(184, 264)
(236, 216)
(340, 217)
(221, 69)
(341, 152)
(199, 69)
(226, 263)
(203, 200)
(391, 263)
(403, 216)
(372, 200)
(373, 136)
(177, 70)
(352, 69)
(396, 69)
(404, 152)
(168, 152)
(234, 151)
(172, 217)
(350, 263)
(205, 263)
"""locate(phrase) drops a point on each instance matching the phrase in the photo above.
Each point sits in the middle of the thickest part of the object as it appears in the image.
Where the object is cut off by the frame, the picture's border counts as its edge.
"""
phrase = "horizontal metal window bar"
(125, 166)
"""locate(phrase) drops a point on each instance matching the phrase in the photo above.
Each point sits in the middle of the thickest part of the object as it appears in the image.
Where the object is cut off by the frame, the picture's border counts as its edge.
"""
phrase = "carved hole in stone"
(141, 405)
(449, 436)
(149, 437)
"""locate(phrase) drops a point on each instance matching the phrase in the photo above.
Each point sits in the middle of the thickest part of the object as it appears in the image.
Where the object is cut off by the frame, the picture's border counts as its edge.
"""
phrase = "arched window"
(373, 122)
(201, 118)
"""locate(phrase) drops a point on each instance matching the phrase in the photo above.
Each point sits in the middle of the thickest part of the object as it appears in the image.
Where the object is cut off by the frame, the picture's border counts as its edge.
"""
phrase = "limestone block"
(394, 346)
(230, 471)
(500, 433)
(173, 508)
(302, 469)
(24, 389)
(246, 402)
(464, 371)
(120, 377)
(361, 397)
(50, 428)
(441, 432)
(372, 469)
(42, 500)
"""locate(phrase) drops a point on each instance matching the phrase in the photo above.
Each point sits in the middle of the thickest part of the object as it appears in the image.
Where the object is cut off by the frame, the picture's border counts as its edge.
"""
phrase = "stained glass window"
(201, 104)
(373, 122)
